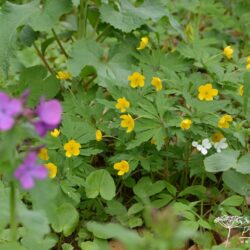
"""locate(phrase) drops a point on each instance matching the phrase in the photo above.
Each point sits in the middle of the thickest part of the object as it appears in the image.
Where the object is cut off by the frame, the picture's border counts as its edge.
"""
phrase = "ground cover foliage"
(124, 120)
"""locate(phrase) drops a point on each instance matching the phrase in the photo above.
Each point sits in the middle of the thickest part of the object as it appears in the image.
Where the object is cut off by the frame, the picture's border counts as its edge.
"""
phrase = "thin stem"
(60, 44)
(104, 33)
(13, 221)
(59, 245)
(82, 19)
(228, 235)
(43, 59)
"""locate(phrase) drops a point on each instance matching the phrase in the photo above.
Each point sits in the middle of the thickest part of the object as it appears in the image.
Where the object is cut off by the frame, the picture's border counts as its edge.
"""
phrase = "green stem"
(104, 33)
(39, 53)
(13, 221)
(82, 19)
(60, 44)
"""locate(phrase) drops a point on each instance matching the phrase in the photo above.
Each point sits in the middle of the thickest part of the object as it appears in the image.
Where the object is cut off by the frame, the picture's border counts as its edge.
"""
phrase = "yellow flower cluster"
(98, 135)
(52, 168)
(143, 43)
(122, 104)
(216, 137)
(185, 124)
(228, 52)
(224, 121)
(55, 133)
(63, 75)
(127, 122)
(241, 90)
(72, 148)
(206, 92)
(122, 167)
(248, 62)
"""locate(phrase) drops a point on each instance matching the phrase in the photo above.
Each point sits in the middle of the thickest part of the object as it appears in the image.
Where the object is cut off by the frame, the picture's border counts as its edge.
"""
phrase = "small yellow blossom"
(248, 60)
(153, 141)
(136, 80)
(228, 52)
(127, 122)
(43, 154)
(122, 167)
(185, 124)
(72, 148)
(224, 121)
(216, 137)
(55, 133)
(241, 90)
(157, 83)
(122, 104)
(206, 92)
(52, 168)
(248, 66)
(63, 75)
(143, 43)
(98, 135)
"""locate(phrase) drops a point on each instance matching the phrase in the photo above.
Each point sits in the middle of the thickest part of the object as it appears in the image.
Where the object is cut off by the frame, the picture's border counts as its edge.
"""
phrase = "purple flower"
(49, 114)
(9, 109)
(30, 170)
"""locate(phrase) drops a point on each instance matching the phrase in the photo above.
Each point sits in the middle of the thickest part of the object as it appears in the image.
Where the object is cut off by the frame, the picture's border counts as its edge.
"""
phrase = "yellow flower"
(122, 104)
(185, 124)
(216, 137)
(224, 121)
(153, 141)
(128, 122)
(98, 135)
(206, 92)
(143, 43)
(157, 83)
(43, 154)
(241, 90)
(52, 168)
(122, 166)
(63, 75)
(248, 66)
(248, 60)
(55, 133)
(137, 80)
(72, 148)
(228, 52)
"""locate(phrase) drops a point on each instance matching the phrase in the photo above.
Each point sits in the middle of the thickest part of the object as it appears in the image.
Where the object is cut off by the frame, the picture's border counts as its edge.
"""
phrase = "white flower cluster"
(206, 145)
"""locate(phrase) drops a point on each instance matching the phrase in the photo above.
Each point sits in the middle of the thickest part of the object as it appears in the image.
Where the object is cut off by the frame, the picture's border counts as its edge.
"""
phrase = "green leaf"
(12, 246)
(197, 190)
(49, 14)
(107, 231)
(221, 161)
(89, 245)
(90, 53)
(246, 95)
(100, 182)
(243, 165)
(129, 17)
(66, 219)
(36, 80)
(204, 224)
(12, 16)
(234, 201)
(239, 183)
(135, 208)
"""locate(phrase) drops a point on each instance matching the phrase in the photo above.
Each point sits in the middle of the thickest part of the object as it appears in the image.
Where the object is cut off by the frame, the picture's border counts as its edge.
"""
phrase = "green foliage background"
(167, 179)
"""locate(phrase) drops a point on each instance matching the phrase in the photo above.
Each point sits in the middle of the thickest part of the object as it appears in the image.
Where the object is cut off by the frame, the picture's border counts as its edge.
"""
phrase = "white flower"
(203, 147)
(220, 145)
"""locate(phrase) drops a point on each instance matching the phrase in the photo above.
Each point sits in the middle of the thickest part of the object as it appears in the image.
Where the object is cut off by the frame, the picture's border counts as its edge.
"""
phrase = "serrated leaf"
(36, 80)
(221, 161)
(130, 17)
(100, 182)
